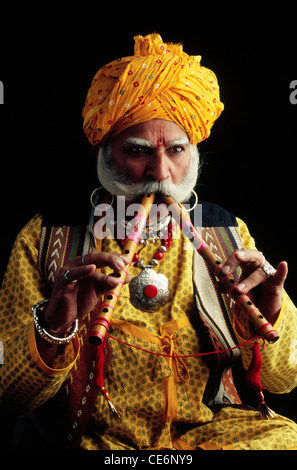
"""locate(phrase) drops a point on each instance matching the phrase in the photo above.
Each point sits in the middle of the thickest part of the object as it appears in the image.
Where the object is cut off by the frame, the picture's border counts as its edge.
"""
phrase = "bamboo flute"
(262, 326)
(104, 309)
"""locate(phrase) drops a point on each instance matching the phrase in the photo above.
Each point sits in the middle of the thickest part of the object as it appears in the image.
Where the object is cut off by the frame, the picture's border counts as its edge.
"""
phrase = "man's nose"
(158, 166)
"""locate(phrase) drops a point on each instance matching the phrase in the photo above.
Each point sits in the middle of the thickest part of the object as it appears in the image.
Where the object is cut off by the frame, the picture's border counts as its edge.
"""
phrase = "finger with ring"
(66, 274)
(268, 269)
(263, 260)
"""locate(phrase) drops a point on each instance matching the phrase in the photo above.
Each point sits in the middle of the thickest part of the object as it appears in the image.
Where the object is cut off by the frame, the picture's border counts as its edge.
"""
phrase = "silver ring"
(66, 276)
(268, 269)
(263, 261)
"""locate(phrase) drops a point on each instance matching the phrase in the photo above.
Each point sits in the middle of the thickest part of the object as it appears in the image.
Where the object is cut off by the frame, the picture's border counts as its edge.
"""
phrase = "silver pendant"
(149, 291)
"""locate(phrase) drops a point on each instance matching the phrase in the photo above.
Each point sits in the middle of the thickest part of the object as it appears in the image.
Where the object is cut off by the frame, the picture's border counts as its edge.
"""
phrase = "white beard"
(116, 181)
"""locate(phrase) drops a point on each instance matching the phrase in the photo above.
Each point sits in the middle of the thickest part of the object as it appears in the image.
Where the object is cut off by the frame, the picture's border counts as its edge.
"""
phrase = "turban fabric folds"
(159, 82)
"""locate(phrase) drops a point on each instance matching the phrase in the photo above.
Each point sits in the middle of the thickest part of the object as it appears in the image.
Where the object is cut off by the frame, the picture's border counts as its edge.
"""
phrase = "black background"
(48, 59)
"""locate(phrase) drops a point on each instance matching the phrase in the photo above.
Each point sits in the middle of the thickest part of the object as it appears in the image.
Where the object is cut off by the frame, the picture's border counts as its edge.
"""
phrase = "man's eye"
(176, 149)
(135, 150)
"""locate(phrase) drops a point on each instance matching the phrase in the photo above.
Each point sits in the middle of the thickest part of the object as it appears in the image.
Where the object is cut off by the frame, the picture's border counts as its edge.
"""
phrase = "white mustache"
(116, 182)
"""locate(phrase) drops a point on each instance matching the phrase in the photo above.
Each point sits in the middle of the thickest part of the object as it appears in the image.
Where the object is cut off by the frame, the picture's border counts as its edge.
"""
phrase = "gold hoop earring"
(93, 194)
(195, 204)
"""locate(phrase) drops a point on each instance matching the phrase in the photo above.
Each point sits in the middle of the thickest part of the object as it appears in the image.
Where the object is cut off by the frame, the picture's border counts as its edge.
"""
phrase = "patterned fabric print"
(22, 287)
(247, 240)
(159, 82)
(280, 356)
(135, 381)
(240, 429)
(136, 384)
(143, 424)
(59, 244)
(177, 267)
(24, 386)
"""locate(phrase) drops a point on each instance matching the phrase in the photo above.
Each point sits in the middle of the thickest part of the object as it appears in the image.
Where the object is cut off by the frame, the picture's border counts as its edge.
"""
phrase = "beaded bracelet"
(41, 327)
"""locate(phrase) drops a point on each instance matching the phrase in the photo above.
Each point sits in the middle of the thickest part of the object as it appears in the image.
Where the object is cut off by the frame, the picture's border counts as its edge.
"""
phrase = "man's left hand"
(265, 291)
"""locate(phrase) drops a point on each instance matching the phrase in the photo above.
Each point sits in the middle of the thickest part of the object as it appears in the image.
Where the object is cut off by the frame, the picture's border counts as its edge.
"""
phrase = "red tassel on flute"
(100, 379)
(254, 381)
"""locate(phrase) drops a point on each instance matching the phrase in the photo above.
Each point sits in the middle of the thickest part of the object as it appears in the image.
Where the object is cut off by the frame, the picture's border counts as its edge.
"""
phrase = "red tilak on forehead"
(161, 137)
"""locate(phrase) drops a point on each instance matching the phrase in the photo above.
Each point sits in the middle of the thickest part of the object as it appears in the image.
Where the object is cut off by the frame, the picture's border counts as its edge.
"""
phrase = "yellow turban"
(159, 82)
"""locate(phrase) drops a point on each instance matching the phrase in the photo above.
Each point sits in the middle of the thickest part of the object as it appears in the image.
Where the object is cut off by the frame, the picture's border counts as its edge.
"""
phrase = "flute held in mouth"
(104, 309)
(262, 326)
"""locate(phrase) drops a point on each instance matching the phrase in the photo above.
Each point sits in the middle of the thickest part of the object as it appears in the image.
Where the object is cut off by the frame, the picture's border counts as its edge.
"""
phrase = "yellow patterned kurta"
(160, 398)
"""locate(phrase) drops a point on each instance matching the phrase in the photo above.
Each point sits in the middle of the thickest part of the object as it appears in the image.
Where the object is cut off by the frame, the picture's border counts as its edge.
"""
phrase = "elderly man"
(144, 115)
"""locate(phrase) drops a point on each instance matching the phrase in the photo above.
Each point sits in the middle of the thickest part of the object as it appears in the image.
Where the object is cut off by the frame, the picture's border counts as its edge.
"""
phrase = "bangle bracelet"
(40, 326)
